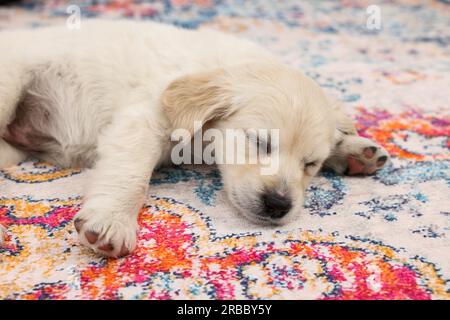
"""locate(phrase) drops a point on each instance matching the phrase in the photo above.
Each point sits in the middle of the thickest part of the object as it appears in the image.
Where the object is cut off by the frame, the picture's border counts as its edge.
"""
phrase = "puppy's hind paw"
(106, 235)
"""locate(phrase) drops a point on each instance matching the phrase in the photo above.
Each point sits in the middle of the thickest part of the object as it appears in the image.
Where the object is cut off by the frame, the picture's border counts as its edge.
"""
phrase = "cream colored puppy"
(109, 95)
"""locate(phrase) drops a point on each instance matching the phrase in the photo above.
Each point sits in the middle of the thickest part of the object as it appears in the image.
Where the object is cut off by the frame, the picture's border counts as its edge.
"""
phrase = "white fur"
(107, 86)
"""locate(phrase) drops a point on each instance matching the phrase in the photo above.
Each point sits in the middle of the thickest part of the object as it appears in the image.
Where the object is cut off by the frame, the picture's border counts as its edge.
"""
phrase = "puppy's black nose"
(275, 205)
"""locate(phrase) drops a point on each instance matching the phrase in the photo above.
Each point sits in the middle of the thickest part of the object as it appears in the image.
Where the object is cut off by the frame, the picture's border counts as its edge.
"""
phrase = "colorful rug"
(379, 237)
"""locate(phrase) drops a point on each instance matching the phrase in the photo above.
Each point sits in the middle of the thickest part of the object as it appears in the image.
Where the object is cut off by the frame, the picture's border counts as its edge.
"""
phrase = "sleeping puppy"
(109, 96)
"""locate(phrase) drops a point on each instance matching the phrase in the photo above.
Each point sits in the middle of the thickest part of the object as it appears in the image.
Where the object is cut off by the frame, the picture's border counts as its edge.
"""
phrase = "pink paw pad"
(355, 166)
(369, 152)
(381, 161)
(366, 165)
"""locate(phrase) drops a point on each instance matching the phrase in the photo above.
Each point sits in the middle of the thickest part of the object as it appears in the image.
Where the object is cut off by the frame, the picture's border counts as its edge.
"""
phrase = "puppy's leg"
(12, 84)
(13, 80)
(9, 155)
(355, 155)
(352, 154)
(128, 152)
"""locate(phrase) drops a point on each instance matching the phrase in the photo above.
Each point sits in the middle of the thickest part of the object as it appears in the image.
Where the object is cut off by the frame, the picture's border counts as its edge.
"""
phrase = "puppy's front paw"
(355, 155)
(367, 161)
(106, 233)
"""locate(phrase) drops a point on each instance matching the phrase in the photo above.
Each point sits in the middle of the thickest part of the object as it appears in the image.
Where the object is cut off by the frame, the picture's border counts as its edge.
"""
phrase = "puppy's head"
(299, 132)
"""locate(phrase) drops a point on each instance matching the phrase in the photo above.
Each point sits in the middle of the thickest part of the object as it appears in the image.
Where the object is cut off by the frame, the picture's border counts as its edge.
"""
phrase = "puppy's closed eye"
(311, 166)
(262, 144)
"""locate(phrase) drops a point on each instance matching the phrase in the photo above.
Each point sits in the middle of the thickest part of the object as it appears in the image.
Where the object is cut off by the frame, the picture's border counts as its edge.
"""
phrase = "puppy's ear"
(199, 97)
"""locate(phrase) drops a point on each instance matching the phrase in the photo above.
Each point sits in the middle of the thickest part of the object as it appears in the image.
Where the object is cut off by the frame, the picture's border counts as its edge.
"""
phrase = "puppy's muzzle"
(275, 205)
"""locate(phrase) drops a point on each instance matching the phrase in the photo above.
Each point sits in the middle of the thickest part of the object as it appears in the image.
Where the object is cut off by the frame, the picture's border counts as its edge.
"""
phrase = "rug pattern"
(379, 237)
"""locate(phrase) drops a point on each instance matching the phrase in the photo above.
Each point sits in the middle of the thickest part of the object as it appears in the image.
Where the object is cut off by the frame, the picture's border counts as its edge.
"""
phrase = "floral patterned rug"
(379, 237)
